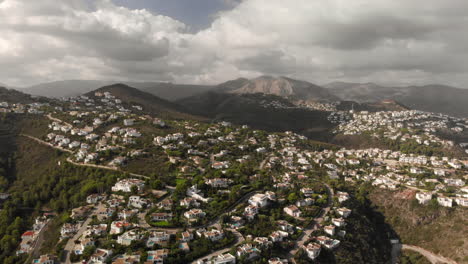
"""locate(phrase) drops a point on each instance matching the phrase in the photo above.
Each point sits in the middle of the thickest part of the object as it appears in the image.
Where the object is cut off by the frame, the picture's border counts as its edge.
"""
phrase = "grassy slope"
(440, 230)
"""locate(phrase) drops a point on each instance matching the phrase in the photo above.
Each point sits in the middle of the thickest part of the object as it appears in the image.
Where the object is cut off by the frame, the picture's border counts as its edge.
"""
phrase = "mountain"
(436, 98)
(362, 92)
(170, 91)
(151, 103)
(433, 98)
(382, 105)
(70, 88)
(285, 87)
(259, 111)
(13, 96)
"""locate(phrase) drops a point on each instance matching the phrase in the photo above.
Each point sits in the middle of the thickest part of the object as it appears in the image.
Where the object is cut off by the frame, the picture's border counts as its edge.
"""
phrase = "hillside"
(436, 98)
(13, 96)
(382, 105)
(260, 111)
(284, 87)
(437, 229)
(71, 88)
(151, 104)
(362, 92)
(170, 91)
(432, 98)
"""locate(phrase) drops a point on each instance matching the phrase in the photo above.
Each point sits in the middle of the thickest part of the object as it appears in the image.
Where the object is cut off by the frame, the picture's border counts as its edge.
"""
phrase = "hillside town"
(403, 126)
(235, 194)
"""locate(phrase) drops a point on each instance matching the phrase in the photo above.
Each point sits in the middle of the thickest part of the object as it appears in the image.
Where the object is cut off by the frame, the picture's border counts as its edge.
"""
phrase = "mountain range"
(71, 88)
(433, 98)
(285, 87)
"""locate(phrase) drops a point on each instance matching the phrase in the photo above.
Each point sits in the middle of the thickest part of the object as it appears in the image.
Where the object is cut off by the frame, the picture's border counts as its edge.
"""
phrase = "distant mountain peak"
(284, 87)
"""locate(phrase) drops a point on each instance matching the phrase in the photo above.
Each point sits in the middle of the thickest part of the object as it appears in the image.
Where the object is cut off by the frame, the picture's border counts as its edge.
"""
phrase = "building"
(260, 200)
(224, 259)
(194, 214)
(445, 201)
(248, 251)
(157, 256)
(128, 122)
(127, 184)
(339, 222)
(330, 229)
(312, 250)
(462, 201)
(293, 211)
(157, 237)
(423, 198)
(100, 256)
(344, 212)
(127, 237)
(46, 259)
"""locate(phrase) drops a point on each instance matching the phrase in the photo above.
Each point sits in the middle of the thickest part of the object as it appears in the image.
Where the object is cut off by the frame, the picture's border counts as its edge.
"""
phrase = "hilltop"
(285, 87)
(13, 96)
(382, 105)
(150, 103)
(432, 98)
(71, 88)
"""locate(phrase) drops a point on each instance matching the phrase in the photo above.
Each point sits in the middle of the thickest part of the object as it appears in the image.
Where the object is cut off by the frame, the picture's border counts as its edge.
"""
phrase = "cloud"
(392, 42)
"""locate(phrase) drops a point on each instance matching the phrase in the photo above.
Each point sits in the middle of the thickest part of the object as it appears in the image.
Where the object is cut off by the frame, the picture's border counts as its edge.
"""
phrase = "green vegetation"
(438, 229)
(41, 184)
(411, 257)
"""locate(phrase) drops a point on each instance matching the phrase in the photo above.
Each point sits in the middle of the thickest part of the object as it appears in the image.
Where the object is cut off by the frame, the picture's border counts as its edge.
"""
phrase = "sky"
(390, 42)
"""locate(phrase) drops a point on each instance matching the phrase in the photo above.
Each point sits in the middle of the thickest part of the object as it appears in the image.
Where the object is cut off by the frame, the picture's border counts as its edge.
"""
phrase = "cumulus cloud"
(391, 42)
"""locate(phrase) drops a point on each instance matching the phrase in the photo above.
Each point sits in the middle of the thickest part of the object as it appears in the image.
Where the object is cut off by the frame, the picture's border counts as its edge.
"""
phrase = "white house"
(344, 212)
(423, 198)
(259, 200)
(293, 211)
(126, 185)
(128, 122)
(312, 250)
(445, 201)
(224, 259)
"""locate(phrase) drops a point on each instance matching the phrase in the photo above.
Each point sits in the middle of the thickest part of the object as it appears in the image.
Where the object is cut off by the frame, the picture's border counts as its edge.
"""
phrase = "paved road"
(69, 247)
(308, 231)
(239, 240)
(432, 257)
(38, 243)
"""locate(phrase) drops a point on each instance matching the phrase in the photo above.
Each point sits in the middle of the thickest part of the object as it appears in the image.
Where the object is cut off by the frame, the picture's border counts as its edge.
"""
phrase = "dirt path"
(432, 257)
(40, 141)
(58, 120)
(106, 168)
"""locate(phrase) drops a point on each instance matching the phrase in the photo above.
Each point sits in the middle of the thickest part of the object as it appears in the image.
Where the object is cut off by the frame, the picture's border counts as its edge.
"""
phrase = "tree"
(292, 197)
(88, 251)
(134, 189)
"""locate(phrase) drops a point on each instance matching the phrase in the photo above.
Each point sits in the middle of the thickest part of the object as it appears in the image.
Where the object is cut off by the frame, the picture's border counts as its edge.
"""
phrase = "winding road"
(308, 231)
(432, 257)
